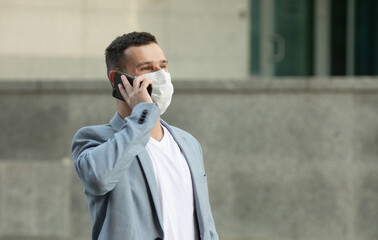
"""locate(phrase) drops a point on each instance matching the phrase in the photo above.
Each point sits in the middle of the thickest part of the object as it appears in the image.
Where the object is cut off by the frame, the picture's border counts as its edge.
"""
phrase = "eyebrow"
(149, 62)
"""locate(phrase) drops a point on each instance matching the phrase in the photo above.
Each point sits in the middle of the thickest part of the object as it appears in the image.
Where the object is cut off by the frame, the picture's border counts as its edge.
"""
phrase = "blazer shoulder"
(183, 133)
(188, 138)
(95, 132)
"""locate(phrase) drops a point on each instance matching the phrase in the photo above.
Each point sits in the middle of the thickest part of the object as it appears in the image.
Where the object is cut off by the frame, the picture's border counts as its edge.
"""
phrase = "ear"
(112, 76)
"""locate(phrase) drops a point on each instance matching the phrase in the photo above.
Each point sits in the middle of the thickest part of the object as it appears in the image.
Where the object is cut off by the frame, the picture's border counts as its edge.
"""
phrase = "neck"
(124, 111)
(157, 132)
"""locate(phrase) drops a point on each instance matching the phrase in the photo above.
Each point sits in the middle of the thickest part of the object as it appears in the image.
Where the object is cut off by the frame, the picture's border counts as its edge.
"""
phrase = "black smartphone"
(117, 80)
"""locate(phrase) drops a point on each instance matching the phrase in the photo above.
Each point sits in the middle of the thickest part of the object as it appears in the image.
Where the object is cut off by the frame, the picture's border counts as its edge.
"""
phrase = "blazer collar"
(148, 170)
(116, 123)
(196, 171)
(185, 146)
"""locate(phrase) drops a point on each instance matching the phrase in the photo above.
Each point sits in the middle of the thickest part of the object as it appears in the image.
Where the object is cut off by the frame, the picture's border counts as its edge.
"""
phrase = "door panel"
(293, 37)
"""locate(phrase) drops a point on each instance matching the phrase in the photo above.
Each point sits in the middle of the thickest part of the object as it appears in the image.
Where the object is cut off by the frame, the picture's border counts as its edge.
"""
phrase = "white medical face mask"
(162, 89)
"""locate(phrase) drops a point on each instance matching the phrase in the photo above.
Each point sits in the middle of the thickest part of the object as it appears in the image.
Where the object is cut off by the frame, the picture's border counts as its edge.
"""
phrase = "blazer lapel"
(148, 169)
(117, 122)
(195, 169)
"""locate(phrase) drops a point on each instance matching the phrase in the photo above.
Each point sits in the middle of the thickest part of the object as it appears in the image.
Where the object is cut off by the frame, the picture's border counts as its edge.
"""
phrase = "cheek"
(138, 72)
(141, 72)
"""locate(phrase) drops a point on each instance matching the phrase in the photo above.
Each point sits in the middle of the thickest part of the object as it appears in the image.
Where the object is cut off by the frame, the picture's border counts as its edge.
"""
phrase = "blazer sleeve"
(100, 162)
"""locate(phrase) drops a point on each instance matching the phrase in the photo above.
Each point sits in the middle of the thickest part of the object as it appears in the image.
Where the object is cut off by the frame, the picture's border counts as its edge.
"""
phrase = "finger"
(137, 81)
(123, 91)
(127, 86)
(146, 83)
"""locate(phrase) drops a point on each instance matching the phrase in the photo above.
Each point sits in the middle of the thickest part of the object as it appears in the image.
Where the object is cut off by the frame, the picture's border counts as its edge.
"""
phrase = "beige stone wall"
(55, 39)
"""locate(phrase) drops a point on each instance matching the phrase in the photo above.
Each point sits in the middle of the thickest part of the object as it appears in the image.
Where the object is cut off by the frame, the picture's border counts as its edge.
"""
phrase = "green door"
(286, 47)
(366, 37)
(293, 24)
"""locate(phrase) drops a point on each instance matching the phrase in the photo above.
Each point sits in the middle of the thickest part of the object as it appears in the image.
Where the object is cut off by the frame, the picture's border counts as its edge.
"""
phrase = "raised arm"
(99, 162)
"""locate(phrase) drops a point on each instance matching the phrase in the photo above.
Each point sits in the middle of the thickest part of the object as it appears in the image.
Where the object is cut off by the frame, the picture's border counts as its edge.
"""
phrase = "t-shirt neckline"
(163, 140)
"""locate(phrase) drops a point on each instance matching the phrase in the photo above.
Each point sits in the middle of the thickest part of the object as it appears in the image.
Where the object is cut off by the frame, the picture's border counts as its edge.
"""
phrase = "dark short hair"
(114, 56)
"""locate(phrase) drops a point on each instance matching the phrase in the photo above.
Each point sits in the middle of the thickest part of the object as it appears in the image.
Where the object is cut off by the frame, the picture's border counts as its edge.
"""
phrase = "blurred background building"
(313, 38)
(282, 95)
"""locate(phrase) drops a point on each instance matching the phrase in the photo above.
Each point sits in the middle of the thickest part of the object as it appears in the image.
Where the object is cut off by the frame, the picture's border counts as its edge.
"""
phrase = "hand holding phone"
(117, 80)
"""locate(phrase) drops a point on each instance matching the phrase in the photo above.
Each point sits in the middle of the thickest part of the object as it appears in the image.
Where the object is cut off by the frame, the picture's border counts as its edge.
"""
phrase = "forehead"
(145, 53)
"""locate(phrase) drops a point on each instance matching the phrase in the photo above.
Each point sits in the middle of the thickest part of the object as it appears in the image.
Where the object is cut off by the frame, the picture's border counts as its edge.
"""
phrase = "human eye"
(146, 68)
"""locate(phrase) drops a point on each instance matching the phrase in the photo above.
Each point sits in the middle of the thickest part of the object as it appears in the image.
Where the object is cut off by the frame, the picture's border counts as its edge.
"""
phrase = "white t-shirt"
(174, 184)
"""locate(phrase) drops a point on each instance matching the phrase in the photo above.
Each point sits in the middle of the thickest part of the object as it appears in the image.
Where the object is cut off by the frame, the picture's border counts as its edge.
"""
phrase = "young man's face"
(145, 59)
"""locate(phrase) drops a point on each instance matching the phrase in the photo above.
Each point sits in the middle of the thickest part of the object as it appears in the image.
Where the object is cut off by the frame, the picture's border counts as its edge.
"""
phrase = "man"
(143, 178)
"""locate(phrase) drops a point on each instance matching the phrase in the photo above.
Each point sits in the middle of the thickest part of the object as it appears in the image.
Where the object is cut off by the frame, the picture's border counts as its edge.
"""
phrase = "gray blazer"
(118, 177)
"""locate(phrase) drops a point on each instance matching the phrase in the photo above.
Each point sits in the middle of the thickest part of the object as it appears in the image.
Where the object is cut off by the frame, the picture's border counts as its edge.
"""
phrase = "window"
(314, 37)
